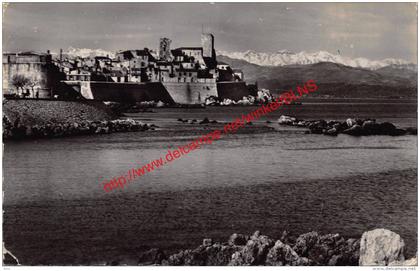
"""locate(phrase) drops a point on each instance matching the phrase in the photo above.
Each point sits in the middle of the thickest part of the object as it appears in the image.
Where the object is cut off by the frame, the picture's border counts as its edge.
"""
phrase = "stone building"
(238, 75)
(35, 71)
(140, 64)
(78, 75)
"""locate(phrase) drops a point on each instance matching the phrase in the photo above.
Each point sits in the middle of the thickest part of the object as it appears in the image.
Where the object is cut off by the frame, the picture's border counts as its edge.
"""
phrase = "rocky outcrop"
(330, 249)
(257, 249)
(192, 121)
(254, 252)
(381, 247)
(43, 118)
(238, 239)
(207, 254)
(354, 127)
(18, 130)
(377, 247)
(283, 254)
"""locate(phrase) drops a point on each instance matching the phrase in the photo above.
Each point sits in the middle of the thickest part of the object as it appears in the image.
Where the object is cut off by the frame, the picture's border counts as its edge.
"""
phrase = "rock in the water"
(283, 254)
(380, 247)
(355, 130)
(152, 256)
(411, 131)
(318, 127)
(331, 132)
(370, 127)
(204, 121)
(254, 252)
(207, 242)
(340, 127)
(286, 120)
(387, 128)
(301, 123)
(350, 122)
(399, 132)
(238, 239)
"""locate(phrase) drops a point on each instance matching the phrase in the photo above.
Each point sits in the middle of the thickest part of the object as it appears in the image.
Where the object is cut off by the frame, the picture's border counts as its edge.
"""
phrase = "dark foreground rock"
(354, 127)
(206, 254)
(377, 247)
(329, 249)
(152, 256)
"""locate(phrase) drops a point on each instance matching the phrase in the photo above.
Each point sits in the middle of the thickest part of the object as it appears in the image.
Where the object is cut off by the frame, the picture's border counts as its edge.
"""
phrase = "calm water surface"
(54, 174)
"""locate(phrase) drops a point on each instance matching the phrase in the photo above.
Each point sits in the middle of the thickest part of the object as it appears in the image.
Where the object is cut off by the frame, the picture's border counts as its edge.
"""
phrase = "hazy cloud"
(373, 30)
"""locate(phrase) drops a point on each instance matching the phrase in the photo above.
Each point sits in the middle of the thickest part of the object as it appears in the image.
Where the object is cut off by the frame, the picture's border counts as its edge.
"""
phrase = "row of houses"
(184, 64)
(37, 74)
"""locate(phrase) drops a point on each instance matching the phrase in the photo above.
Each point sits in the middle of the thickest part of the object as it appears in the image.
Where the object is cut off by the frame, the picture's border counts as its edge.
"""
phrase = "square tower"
(207, 42)
(165, 49)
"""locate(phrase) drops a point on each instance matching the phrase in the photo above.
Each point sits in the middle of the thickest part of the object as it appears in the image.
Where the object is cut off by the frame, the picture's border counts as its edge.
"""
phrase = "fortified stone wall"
(190, 93)
(167, 92)
(233, 90)
(36, 72)
(43, 75)
(127, 92)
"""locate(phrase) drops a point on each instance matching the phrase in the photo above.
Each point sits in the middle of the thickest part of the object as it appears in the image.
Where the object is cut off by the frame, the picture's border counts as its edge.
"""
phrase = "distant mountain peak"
(286, 57)
(86, 52)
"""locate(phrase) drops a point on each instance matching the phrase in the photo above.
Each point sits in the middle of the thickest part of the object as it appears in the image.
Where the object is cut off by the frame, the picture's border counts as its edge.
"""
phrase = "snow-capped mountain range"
(280, 58)
(284, 57)
(85, 52)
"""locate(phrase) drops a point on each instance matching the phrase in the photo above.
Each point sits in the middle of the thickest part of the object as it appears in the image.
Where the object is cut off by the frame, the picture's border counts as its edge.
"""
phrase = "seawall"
(190, 93)
(167, 92)
(122, 92)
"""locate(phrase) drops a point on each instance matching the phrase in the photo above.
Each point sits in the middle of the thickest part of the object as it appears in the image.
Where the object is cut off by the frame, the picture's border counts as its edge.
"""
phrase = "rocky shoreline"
(354, 127)
(379, 247)
(30, 119)
(18, 131)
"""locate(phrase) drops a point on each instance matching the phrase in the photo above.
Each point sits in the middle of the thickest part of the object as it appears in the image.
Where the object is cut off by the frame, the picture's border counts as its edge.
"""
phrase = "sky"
(372, 30)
